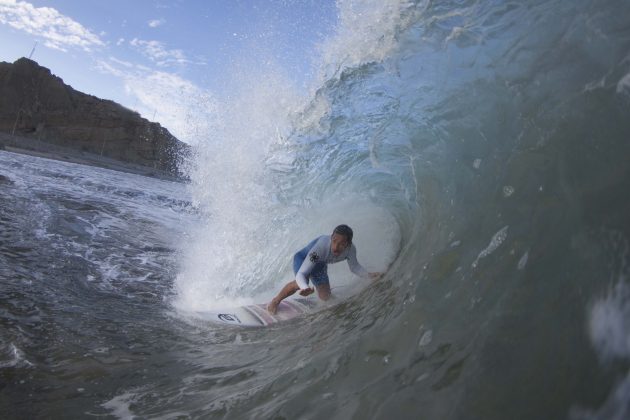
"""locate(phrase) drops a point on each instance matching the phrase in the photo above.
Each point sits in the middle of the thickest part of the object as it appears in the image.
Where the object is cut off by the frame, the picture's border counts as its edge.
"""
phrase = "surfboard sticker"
(258, 316)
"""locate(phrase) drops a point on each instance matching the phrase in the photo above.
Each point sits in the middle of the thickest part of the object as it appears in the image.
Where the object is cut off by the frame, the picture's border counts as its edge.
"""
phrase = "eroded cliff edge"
(39, 112)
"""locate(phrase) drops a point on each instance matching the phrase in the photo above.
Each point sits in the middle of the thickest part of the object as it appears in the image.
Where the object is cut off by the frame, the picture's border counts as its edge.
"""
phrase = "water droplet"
(422, 377)
(523, 261)
(495, 242)
(426, 338)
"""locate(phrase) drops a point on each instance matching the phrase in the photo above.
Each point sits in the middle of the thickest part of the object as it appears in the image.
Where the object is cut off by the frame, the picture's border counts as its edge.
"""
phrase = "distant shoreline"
(32, 147)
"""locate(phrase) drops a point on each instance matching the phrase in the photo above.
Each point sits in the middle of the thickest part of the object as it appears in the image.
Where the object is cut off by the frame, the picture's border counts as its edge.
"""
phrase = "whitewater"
(479, 150)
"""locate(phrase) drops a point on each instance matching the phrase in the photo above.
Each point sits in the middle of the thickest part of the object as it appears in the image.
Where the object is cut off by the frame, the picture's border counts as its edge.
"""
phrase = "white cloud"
(187, 110)
(109, 68)
(156, 22)
(59, 31)
(157, 52)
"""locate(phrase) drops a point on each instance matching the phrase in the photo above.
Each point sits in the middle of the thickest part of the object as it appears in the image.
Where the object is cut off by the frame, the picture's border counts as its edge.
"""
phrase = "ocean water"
(480, 151)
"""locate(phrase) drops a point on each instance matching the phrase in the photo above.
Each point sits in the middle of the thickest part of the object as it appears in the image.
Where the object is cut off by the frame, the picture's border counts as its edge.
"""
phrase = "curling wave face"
(491, 139)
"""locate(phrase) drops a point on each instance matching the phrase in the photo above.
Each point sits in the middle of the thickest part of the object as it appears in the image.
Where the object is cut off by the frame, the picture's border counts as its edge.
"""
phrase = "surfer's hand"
(307, 291)
(375, 276)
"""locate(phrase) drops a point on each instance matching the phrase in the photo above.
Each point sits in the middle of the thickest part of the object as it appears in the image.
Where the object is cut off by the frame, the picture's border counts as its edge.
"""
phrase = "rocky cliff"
(36, 104)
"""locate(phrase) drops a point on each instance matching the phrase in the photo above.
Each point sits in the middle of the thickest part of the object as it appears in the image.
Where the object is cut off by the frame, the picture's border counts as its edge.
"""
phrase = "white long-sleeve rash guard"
(320, 252)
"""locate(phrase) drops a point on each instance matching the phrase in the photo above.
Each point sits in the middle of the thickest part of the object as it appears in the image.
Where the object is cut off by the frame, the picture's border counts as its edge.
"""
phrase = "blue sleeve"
(314, 255)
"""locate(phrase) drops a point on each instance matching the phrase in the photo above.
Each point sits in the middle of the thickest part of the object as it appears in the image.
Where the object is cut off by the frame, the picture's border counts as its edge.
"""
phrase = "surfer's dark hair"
(344, 230)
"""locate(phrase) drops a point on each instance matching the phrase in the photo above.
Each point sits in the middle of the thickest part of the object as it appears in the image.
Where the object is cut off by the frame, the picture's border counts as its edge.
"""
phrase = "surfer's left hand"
(375, 276)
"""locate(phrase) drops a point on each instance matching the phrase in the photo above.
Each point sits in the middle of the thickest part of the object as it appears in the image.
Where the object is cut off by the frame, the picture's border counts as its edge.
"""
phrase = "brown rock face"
(35, 103)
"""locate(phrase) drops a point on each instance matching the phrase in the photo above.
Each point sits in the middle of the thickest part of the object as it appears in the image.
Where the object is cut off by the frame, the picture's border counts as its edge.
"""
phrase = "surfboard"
(257, 315)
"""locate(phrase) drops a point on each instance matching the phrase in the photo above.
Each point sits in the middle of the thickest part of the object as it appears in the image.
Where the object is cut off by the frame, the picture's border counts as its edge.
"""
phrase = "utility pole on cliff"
(33, 50)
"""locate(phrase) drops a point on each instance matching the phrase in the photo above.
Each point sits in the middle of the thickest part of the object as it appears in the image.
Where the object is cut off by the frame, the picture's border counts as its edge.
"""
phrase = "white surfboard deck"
(257, 315)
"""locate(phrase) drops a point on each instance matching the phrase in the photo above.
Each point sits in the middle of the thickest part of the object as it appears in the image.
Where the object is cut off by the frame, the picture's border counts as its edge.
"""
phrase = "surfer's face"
(338, 243)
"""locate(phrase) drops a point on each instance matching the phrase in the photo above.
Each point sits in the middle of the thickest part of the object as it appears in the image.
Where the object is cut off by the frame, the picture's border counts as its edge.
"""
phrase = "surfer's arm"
(354, 265)
(315, 255)
(300, 279)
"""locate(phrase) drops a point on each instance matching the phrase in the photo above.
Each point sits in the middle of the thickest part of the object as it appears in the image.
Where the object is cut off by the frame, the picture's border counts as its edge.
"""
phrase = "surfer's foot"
(272, 307)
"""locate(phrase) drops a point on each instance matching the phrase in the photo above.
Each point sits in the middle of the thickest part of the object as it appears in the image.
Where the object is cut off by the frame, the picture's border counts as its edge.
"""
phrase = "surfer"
(311, 264)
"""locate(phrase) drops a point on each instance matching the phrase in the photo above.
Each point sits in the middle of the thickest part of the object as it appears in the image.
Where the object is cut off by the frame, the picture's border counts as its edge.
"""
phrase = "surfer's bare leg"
(288, 289)
(323, 291)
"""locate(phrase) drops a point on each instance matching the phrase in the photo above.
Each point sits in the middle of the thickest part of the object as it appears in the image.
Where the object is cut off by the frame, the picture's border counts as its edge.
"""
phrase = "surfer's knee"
(323, 294)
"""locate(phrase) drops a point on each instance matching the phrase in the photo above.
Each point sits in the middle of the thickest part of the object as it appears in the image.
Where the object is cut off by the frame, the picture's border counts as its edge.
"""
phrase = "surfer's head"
(340, 239)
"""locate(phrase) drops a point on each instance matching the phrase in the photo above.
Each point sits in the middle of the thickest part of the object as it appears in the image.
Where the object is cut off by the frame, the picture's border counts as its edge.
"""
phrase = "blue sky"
(154, 55)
